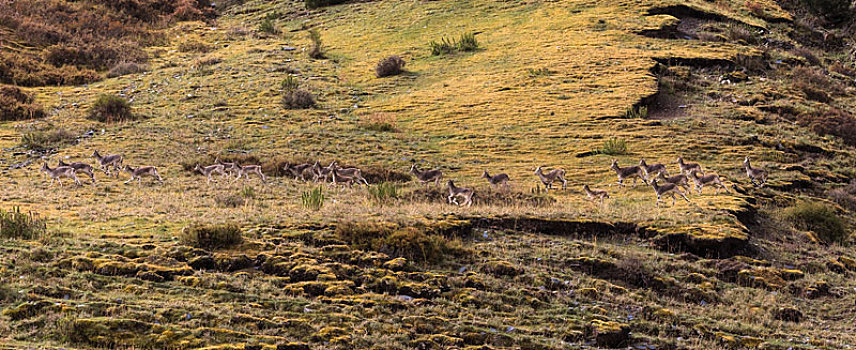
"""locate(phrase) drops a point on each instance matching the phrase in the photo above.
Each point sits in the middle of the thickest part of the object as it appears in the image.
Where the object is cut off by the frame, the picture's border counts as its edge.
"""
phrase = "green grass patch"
(17, 225)
(211, 236)
(313, 199)
(818, 218)
(614, 147)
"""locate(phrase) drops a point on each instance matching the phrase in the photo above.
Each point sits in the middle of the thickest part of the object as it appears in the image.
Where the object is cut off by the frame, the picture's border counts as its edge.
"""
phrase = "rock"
(729, 268)
(149, 276)
(789, 314)
(818, 290)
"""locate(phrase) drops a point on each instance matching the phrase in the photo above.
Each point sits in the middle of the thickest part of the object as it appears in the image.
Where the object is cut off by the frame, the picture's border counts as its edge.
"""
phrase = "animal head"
(95, 154)
(45, 166)
(538, 169)
(614, 163)
(485, 174)
(680, 160)
(413, 167)
(642, 162)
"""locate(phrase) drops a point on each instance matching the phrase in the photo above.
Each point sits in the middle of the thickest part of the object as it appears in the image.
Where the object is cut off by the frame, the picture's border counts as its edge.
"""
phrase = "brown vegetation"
(15, 104)
(68, 41)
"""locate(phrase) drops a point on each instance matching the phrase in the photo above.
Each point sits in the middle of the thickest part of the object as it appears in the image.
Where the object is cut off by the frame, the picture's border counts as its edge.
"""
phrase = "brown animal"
(138, 173)
(60, 172)
(455, 192)
(668, 189)
(549, 178)
(627, 172)
(427, 176)
(595, 194)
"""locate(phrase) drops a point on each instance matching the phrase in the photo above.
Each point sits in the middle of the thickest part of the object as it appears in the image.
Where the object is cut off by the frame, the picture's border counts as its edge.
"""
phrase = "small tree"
(392, 65)
(110, 108)
(317, 51)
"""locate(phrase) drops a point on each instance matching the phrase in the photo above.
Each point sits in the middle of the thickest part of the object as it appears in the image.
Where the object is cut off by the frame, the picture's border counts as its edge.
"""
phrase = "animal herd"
(655, 175)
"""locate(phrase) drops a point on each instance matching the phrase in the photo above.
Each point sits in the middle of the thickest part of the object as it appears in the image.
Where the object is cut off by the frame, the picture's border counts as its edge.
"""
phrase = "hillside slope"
(558, 84)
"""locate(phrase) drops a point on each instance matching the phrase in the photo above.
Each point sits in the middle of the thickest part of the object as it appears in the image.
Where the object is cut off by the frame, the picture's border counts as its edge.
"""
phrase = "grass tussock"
(194, 46)
(412, 243)
(383, 193)
(818, 218)
(614, 147)
(267, 26)
(290, 83)
(313, 199)
(389, 66)
(467, 42)
(109, 108)
(211, 236)
(49, 139)
(380, 122)
(15, 104)
(17, 225)
(298, 99)
(317, 50)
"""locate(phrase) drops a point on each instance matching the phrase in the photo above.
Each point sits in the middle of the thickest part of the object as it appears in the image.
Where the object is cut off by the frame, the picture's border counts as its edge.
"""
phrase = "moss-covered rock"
(610, 334)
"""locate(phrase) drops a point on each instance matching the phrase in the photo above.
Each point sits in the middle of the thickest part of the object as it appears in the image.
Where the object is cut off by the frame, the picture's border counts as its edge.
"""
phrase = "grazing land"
(273, 261)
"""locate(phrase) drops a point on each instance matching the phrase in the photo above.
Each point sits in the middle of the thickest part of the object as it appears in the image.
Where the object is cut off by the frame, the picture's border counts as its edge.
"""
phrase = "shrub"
(46, 140)
(230, 200)
(17, 225)
(834, 11)
(467, 42)
(380, 122)
(613, 147)
(125, 68)
(298, 99)
(313, 4)
(741, 33)
(15, 104)
(314, 199)
(317, 51)
(815, 84)
(110, 108)
(818, 218)
(383, 192)
(755, 8)
(211, 236)
(290, 83)
(267, 26)
(392, 65)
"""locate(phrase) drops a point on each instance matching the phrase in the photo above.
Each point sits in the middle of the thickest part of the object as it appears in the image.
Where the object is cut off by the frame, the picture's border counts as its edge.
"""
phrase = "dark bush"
(380, 122)
(815, 84)
(126, 68)
(110, 108)
(298, 99)
(211, 236)
(392, 65)
(48, 139)
(22, 70)
(314, 4)
(267, 26)
(15, 104)
(818, 218)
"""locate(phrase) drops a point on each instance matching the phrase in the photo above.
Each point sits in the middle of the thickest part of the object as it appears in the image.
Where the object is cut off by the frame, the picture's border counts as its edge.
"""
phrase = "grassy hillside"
(562, 84)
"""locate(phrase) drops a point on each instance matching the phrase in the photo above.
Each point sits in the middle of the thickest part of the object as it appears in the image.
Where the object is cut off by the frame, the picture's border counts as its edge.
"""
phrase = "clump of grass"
(313, 199)
(47, 139)
(442, 47)
(211, 236)
(613, 146)
(298, 99)
(230, 200)
(110, 108)
(637, 112)
(407, 242)
(539, 72)
(267, 26)
(741, 33)
(290, 83)
(392, 65)
(317, 50)
(381, 122)
(818, 218)
(467, 42)
(17, 225)
(383, 192)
